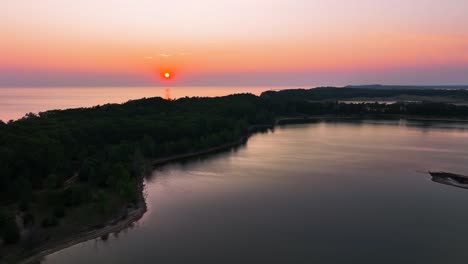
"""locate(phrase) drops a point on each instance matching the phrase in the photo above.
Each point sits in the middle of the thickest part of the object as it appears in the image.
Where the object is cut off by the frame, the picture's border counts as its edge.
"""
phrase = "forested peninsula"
(65, 173)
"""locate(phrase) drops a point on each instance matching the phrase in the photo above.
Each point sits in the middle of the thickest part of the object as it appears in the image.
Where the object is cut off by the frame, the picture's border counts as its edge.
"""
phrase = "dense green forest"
(332, 100)
(407, 87)
(89, 161)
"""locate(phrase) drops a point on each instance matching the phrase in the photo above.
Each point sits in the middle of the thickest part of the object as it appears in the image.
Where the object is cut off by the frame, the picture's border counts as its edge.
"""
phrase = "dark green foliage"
(326, 101)
(76, 195)
(123, 183)
(107, 147)
(23, 205)
(53, 181)
(409, 87)
(9, 230)
(50, 221)
(88, 170)
(54, 197)
(25, 190)
(28, 219)
(11, 233)
(148, 146)
(333, 93)
(59, 211)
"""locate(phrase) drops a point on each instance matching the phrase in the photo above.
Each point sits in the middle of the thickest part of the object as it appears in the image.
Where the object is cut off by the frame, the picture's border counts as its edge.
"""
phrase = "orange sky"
(221, 38)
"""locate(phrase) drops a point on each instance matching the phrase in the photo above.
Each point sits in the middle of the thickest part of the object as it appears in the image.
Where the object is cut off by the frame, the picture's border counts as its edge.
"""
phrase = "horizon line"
(227, 85)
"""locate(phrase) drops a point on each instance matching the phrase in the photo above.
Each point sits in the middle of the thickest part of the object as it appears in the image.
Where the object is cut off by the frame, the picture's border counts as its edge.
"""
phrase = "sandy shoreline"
(133, 215)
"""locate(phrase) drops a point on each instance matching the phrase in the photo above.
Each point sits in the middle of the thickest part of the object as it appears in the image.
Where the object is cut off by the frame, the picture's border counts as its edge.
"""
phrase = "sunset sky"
(242, 42)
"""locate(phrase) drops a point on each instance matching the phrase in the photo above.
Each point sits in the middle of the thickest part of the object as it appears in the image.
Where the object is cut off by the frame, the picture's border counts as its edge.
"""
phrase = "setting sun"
(167, 75)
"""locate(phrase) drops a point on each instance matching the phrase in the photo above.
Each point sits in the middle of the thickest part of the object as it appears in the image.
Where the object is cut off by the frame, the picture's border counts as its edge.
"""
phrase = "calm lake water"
(16, 102)
(329, 192)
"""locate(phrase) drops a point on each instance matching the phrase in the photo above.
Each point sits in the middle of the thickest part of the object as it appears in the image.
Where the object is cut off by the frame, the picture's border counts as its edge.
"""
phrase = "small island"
(67, 176)
(452, 179)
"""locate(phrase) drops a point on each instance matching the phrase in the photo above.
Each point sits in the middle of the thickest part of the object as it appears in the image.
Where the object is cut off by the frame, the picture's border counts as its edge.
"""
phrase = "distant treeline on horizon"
(383, 86)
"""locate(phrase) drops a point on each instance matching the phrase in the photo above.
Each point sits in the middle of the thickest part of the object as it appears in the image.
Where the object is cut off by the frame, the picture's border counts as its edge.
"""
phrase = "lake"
(16, 102)
(327, 192)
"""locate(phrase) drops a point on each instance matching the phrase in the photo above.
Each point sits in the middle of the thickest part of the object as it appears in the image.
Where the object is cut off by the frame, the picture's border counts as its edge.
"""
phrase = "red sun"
(166, 75)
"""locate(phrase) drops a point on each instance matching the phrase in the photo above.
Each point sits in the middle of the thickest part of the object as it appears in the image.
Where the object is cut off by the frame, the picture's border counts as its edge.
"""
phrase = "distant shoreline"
(306, 119)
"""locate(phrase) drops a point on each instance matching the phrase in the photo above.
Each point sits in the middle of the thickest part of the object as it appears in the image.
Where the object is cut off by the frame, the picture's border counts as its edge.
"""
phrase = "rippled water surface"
(329, 192)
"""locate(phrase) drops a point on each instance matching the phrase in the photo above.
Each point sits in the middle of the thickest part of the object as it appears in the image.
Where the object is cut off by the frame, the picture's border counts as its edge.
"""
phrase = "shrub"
(28, 219)
(59, 211)
(11, 234)
(49, 222)
(9, 230)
